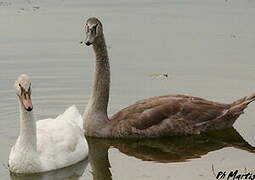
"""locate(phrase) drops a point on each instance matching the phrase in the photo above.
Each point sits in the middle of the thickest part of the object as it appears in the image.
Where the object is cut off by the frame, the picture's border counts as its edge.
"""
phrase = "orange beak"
(27, 101)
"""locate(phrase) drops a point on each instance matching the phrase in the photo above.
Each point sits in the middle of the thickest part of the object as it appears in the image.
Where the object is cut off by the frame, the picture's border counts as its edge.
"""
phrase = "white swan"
(46, 144)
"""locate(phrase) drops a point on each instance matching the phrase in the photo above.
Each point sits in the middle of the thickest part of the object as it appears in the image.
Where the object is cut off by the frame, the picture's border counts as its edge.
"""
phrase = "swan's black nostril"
(29, 109)
(88, 43)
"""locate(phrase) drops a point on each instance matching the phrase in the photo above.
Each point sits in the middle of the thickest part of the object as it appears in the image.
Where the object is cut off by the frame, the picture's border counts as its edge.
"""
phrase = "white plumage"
(48, 144)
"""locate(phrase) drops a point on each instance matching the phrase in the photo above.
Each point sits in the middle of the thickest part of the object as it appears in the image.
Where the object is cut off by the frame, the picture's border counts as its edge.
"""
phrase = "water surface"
(205, 46)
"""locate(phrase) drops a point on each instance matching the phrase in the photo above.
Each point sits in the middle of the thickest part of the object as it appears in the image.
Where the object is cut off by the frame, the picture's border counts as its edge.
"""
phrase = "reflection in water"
(163, 150)
(71, 173)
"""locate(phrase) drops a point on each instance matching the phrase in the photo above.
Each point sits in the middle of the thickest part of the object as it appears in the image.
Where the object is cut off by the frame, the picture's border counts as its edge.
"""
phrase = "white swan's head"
(93, 29)
(23, 90)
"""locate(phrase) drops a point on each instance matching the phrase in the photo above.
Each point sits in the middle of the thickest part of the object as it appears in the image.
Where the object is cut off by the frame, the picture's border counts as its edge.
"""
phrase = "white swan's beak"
(27, 101)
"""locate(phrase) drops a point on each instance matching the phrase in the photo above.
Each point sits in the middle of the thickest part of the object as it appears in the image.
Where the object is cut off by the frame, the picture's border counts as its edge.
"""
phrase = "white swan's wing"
(61, 141)
(72, 115)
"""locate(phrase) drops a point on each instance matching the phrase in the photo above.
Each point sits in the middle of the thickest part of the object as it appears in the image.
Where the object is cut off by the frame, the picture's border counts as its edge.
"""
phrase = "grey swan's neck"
(95, 115)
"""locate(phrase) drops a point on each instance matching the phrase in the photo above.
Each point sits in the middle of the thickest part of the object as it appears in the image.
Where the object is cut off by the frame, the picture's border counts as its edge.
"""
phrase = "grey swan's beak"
(87, 43)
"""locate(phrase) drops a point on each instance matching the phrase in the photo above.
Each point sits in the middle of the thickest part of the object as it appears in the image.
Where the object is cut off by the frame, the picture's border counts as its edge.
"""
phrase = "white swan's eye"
(21, 88)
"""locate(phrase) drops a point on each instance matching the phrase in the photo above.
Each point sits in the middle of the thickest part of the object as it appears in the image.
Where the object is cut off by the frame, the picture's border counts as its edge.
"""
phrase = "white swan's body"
(48, 144)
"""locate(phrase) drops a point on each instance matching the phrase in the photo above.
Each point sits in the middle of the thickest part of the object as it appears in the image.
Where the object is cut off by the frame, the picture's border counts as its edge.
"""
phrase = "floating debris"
(162, 75)
(28, 9)
(36, 7)
(2, 3)
(233, 35)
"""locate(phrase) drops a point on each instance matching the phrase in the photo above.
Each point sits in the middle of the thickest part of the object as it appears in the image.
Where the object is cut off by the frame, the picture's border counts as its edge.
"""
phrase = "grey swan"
(166, 115)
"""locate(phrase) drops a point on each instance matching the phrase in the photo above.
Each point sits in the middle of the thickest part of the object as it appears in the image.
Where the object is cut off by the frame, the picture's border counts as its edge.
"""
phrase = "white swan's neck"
(95, 115)
(24, 157)
(27, 138)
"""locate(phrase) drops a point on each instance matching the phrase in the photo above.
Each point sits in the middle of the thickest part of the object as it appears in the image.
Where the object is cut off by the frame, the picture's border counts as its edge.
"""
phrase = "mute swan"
(46, 144)
(167, 115)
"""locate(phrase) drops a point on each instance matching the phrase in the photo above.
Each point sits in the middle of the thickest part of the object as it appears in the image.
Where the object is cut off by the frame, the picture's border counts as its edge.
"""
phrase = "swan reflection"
(73, 172)
(163, 150)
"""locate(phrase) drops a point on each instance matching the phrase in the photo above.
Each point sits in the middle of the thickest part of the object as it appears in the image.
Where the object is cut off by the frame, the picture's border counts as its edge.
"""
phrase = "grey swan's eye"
(95, 27)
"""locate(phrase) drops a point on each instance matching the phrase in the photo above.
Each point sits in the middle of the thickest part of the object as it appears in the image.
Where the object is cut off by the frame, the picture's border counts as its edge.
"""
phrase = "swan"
(166, 115)
(47, 144)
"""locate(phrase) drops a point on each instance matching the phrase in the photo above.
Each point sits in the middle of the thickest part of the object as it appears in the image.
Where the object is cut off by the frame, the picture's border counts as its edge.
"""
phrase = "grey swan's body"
(167, 115)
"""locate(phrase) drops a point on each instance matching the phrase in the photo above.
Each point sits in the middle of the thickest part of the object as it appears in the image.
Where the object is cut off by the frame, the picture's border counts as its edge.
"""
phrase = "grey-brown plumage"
(172, 115)
(168, 115)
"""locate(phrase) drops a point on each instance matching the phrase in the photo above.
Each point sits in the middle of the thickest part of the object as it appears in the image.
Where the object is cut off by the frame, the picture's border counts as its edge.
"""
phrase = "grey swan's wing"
(182, 113)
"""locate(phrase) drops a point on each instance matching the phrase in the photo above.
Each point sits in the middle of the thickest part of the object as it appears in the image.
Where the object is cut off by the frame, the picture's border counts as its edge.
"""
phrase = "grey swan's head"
(93, 29)
(23, 91)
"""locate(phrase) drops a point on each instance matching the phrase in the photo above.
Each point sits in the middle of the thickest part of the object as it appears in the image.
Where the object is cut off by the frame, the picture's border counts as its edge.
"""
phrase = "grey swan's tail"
(239, 105)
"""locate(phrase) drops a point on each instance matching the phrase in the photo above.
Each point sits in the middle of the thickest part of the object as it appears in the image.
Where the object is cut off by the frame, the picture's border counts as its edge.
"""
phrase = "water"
(206, 47)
